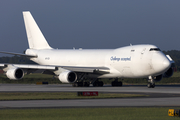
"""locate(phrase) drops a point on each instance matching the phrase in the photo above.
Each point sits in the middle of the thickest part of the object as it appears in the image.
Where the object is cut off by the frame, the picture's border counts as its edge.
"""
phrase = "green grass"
(122, 113)
(176, 74)
(38, 75)
(59, 96)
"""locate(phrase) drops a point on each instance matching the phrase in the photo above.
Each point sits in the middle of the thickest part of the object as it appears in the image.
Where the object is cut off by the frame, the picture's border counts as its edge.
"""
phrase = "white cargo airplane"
(84, 67)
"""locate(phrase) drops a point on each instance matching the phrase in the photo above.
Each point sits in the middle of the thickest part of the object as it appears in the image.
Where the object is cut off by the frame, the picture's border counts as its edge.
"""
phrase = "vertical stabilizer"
(35, 37)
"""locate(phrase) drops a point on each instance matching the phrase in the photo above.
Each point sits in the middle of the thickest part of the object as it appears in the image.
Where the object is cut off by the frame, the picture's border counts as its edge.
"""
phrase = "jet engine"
(15, 73)
(67, 77)
(158, 78)
(168, 73)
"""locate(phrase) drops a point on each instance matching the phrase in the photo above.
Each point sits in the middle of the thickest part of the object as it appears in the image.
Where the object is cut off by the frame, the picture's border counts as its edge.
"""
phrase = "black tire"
(113, 83)
(75, 84)
(151, 85)
(100, 83)
(95, 84)
(80, 84)
(85, 84)
(120, 83)
(116, 83)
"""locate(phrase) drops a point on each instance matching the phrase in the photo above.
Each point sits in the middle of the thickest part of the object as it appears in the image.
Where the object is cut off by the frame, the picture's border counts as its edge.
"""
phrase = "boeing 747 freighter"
(82, 67)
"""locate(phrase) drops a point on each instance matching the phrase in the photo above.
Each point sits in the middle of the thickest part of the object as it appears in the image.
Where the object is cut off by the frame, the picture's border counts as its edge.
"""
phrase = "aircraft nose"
(166, 63)
(160, 63)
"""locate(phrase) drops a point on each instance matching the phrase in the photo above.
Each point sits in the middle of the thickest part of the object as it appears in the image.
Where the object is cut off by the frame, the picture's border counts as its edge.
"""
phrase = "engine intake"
(168, 73)
(15, 73)
(67, 77)
(158, 78)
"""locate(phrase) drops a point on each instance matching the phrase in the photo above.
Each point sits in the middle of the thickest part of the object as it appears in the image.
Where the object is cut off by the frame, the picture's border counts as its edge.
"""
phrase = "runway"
(160, 96)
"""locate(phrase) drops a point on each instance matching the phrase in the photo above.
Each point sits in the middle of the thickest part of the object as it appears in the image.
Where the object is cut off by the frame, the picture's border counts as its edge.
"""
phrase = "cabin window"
(154, 49)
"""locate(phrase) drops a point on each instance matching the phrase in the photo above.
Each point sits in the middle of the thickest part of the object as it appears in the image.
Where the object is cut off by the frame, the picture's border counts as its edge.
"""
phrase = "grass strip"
(122, 113)
(59, 96)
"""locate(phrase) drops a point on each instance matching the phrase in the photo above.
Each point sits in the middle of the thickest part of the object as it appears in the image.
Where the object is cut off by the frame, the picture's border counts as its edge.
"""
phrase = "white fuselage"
(127, 62)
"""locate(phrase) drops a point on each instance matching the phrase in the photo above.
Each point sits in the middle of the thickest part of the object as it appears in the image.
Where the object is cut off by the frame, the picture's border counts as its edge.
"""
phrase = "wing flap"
(44, 67)
(102, 70)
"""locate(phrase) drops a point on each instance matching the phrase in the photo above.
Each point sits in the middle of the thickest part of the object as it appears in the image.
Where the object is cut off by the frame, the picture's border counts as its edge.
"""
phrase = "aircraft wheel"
(151, 85)
(116, 83)
(113, 83)
(75, 84)
(95, 84)
(100, 83)
(120, 83)
(86, 84)
(80, 84)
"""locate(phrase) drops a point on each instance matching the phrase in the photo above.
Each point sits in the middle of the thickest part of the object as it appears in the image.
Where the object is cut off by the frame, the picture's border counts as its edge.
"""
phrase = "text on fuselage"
(120, 59)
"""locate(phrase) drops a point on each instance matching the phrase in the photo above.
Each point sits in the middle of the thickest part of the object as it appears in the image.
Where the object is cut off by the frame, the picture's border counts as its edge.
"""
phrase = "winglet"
(170, 59)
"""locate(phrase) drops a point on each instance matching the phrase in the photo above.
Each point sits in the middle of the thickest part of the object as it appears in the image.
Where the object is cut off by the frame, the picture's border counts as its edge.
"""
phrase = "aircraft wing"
(100, 70)
(17, 54)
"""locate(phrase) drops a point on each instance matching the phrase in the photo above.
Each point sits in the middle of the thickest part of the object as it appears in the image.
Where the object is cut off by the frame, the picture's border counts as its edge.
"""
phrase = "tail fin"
(35, 37)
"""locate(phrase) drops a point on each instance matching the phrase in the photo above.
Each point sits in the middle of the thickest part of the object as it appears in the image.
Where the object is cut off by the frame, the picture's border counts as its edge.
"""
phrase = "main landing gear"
(151, 83)
(115, 83)
(87, 84)
(81, 84)
(81, 81)
(98, 83)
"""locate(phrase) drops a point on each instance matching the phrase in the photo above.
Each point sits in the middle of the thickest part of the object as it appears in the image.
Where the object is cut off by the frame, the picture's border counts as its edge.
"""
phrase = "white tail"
(35, 37)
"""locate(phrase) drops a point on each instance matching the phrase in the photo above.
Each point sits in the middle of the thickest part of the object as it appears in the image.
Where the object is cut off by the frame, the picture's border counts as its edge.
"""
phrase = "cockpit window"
(154, 49)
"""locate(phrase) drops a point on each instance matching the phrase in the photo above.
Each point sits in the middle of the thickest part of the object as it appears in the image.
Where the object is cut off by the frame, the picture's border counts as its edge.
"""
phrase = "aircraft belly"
(113, 75)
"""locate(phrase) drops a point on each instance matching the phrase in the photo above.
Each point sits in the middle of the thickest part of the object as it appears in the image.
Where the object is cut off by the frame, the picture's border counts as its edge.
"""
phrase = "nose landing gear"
(151, 83)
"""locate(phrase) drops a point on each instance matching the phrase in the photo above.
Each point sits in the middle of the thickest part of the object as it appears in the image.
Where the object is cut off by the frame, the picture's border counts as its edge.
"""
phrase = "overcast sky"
(92, 24)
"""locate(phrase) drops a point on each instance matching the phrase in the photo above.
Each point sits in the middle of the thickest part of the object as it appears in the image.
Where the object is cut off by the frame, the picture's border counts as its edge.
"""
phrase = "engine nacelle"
(168, 73)
(15, 73)
(158, 78)
(67, 77)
